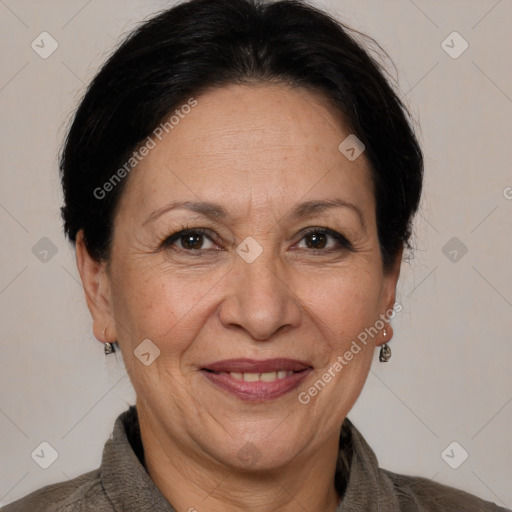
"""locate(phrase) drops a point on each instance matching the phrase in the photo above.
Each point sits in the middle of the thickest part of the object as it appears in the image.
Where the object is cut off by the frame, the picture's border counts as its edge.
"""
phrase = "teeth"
(263, 377)
(268, 377)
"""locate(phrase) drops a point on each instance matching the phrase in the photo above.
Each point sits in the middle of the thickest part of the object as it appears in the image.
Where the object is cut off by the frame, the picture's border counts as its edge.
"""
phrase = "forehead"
(252, 145)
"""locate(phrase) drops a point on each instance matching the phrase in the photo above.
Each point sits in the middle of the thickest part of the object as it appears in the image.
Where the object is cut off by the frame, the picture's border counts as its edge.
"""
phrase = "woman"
(240, 181)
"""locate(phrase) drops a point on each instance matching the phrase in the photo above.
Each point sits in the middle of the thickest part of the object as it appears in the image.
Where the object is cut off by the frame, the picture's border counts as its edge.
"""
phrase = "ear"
(96, 283)
(389, 295)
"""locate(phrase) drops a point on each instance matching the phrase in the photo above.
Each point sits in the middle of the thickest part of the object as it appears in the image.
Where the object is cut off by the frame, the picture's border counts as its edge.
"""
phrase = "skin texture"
(258, 151)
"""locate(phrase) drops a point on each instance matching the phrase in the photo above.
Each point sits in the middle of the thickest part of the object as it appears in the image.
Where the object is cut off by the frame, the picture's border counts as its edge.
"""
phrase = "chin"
(249, 453)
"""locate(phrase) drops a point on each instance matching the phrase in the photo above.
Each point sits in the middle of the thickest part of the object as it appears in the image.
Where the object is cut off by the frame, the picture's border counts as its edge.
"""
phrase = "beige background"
(449, 378)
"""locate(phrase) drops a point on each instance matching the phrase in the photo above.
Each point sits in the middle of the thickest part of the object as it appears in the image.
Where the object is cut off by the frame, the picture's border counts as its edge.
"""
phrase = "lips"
(257, 381)
(257, 366)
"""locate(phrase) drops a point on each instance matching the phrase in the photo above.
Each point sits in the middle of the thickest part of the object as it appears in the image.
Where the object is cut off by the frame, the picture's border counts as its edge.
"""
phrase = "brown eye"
(189, 240)
(317, 241)
(325, 240)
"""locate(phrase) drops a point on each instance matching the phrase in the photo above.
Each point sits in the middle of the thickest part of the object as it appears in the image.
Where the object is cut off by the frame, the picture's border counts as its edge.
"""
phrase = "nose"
(259, 298)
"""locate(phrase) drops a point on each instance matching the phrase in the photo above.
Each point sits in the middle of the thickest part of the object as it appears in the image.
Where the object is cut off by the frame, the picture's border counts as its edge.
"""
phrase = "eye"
(317, 239)
(189, 240)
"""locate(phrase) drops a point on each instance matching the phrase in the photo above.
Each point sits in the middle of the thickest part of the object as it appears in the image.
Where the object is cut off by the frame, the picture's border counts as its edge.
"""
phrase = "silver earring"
(109, 347)
(385, 351)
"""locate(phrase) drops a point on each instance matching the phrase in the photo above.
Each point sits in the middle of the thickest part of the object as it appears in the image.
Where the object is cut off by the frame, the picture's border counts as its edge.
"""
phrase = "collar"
(124, 478)
(129, 487)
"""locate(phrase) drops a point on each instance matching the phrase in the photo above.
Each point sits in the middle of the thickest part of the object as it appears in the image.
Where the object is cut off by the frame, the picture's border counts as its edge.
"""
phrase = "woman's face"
(260, 283)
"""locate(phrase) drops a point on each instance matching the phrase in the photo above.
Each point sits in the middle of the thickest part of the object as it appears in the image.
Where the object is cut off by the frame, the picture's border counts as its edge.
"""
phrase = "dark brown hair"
(203, 44)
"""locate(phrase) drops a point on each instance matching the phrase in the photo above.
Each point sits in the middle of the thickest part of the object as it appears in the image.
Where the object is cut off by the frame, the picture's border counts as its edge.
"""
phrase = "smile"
(257, 381)
(263, 377)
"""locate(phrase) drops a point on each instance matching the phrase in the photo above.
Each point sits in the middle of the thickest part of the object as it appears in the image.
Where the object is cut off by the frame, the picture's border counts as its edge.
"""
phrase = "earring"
(109, 347)
(385, 351)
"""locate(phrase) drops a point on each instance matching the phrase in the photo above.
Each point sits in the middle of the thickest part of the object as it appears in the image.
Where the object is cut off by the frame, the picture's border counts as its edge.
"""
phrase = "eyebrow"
(300, 211)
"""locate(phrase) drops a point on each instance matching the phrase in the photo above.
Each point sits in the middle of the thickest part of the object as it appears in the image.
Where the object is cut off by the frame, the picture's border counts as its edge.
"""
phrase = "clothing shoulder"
(81, 494)
(428, 496)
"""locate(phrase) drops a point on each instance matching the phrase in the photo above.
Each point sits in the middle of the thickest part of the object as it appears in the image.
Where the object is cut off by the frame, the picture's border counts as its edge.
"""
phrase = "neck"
(195, 481)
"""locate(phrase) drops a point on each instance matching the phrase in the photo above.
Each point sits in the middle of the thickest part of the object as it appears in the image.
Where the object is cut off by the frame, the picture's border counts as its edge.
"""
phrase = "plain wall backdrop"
(449, 378)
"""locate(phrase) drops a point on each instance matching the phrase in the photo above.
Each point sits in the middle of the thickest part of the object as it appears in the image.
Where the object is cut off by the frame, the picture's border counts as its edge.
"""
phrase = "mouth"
(257, 381)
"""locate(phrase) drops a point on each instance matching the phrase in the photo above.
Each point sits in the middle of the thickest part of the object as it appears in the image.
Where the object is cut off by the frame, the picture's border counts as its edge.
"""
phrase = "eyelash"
(186, 230)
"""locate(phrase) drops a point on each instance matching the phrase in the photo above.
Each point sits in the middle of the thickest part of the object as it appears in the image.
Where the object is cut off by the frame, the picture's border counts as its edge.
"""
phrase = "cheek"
(345, 305)
(148, 306)
(157, 305)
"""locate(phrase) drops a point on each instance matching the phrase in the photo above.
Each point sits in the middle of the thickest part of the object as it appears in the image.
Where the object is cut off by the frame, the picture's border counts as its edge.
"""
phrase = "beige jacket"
(121, 483)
